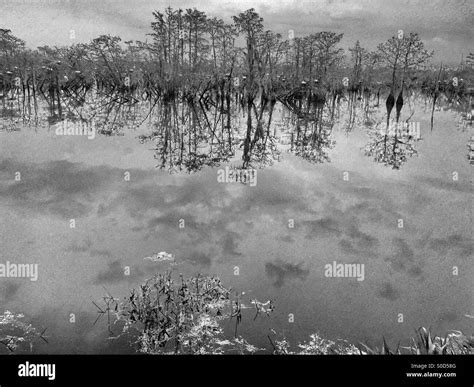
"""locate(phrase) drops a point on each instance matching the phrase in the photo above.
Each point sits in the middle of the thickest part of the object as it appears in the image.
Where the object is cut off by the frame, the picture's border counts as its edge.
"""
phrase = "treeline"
(188, 52)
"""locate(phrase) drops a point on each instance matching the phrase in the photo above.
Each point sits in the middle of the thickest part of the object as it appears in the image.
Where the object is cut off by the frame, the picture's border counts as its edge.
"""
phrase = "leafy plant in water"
(180, 316)
(16, 334)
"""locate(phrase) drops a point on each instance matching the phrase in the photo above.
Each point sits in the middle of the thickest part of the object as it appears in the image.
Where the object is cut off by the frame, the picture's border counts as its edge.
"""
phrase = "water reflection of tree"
(391, 149)
(312, 141)
(199, 132)
(259, 144)
(311, 130)
(187, 139)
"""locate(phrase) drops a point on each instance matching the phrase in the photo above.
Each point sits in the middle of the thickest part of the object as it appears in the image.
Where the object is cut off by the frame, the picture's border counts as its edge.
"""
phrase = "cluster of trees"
(218, 69)
(186, 50)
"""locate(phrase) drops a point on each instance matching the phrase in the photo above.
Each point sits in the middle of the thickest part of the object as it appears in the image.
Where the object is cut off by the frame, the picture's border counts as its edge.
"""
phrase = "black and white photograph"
(244, 178)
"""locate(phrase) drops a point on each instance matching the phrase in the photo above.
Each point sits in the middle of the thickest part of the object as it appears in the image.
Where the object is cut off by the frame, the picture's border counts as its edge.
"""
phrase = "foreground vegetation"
(186, 316)
(170, 314)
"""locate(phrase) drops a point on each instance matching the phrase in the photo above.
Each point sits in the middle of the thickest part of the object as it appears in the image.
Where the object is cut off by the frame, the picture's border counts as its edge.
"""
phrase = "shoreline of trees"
(219, 70)
(191, 55)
